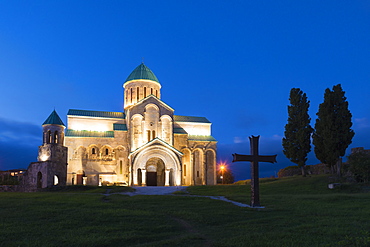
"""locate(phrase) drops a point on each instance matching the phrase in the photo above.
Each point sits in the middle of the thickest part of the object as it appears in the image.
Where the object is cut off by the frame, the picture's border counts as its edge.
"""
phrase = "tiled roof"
(190, 119)
(87, 133)
(122, 127)
(201, 138)
(179, 131)
(102, 114)
(54, 119)
(142, 72)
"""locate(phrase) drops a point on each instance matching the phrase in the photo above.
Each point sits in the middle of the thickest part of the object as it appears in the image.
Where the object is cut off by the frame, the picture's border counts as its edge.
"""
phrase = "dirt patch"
(192, 230)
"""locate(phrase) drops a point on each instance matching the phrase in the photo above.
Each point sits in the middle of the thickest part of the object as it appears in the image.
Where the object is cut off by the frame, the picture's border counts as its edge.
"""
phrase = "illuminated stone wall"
(154, 150)
(136, 90)
(106, 160)
(100, 160)
(44, 174)
(51, 168)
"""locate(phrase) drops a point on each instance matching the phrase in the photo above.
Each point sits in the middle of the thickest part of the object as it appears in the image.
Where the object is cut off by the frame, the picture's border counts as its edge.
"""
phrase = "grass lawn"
(299, 212)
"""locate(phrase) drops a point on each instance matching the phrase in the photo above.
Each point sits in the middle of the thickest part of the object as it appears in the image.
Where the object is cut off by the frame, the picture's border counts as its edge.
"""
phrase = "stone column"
(143, 177)
(192, 164)
(135, 178)
(167, 178)
(204, 170)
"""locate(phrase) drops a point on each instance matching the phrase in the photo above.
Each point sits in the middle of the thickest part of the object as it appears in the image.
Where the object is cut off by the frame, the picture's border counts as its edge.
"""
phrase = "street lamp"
(222, 173)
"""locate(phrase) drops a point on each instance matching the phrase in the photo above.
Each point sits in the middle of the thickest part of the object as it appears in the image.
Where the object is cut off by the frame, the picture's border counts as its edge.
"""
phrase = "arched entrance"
(39, 180)
(159, 159)
(155, 175)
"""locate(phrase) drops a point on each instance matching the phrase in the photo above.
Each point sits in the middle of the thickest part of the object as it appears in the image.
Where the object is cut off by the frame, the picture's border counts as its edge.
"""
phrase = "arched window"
(106, 151)
(39, 180)
(144, 92)
(156, 93)
(151, 91)
(56, 180)
(56, 137)
(131, 94)
(120, 167)
(184, 170)
(49, 137)
(148, 135)
(137, 94)
(139, 177)
(93, 151)
(153, 134)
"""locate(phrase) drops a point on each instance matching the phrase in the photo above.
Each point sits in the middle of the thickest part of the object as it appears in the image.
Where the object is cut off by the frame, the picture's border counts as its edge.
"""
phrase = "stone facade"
(146, 144)
(51, 168)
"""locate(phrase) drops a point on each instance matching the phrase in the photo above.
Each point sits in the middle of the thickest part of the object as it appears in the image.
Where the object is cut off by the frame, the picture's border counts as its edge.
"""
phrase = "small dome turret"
(53, 129)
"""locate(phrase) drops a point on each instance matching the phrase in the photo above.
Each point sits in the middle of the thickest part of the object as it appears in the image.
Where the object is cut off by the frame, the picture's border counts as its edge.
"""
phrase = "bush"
(310, 170)
(8, 180)
(228, 177)
(359, 166)
(289, 171)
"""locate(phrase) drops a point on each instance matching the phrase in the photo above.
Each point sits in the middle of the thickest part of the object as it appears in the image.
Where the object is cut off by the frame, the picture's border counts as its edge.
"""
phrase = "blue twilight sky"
(231, 61)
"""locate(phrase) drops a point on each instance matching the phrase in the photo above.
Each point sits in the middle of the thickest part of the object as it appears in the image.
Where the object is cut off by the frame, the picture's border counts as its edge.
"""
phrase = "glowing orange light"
(222, 165)
(222, 168)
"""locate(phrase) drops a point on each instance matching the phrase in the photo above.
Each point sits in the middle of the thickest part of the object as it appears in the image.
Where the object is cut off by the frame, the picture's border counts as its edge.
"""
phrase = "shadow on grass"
(88, 189)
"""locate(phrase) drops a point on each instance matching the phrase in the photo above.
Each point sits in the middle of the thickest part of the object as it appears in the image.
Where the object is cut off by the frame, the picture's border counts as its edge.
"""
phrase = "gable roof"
(201, 138)
(142, 72)
(101, 114)
(119, 127)
(179, 130)
(54, 119)
(178, 118)
(88, 133)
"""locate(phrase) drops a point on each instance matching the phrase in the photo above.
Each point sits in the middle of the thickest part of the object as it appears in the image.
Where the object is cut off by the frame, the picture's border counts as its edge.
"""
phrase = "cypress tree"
(333, 133)
(297, 142)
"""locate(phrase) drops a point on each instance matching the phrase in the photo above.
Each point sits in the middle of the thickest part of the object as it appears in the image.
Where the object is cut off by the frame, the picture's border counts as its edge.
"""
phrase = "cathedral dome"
(142, 72)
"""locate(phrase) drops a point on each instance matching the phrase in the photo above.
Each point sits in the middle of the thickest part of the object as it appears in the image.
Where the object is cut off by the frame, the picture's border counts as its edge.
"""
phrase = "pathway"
(155, 190)
(169, 190)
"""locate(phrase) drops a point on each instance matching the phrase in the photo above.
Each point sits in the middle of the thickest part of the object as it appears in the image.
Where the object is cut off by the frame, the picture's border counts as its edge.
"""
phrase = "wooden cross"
(254, 158)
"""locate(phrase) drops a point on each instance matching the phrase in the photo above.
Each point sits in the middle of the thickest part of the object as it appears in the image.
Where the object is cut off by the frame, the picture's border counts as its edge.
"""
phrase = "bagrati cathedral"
(144, 145)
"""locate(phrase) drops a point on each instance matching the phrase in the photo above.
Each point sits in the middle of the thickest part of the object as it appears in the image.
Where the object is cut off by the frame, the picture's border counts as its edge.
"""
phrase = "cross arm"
(252, 158)
(242, 157)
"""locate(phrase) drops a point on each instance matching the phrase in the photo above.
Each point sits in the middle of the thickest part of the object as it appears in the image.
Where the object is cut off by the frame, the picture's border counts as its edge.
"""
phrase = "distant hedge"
(311, 169)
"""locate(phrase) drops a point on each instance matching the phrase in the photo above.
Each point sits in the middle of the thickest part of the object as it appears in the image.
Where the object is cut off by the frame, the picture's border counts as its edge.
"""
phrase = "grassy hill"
(299, 212)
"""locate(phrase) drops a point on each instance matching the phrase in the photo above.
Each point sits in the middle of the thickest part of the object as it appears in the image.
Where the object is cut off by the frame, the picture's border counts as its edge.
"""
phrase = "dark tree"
(333, 133)
(297, 142)
(228, 176)
(359, 166)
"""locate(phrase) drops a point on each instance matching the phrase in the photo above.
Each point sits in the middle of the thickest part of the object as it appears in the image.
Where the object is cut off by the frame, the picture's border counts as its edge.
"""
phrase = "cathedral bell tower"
(51, 166)
(52, 148)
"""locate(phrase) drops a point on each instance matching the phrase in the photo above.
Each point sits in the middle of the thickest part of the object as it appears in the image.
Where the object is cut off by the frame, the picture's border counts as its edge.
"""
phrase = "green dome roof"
(54, 119)
(142, 72)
